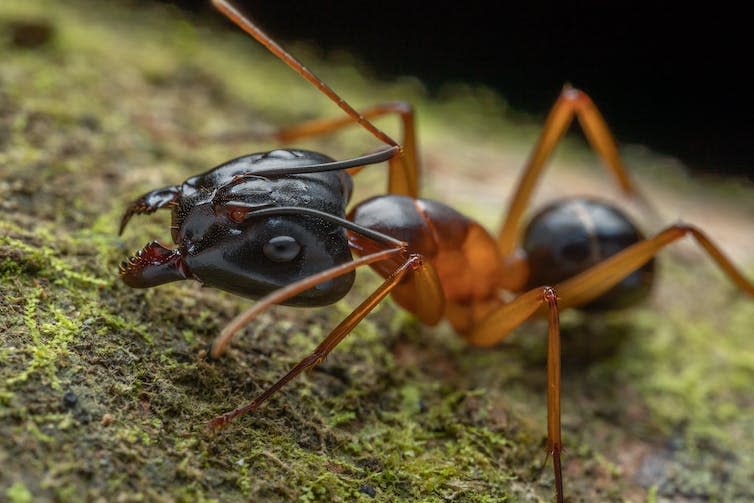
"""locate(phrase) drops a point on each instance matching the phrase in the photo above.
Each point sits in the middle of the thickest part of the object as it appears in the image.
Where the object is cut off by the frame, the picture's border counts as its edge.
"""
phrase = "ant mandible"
(273, 226)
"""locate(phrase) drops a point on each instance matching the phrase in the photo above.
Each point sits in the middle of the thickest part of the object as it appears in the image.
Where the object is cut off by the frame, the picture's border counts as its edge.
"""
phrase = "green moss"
(18, 493)
(104, 395)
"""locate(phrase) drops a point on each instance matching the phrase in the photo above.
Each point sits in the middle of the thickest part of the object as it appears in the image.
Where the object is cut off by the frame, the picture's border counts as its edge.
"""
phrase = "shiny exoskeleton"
(570, 236)
(273, 226)
(217, 246)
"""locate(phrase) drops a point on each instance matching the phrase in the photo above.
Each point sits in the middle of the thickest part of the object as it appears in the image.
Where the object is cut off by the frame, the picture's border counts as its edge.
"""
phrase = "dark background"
(678, 78)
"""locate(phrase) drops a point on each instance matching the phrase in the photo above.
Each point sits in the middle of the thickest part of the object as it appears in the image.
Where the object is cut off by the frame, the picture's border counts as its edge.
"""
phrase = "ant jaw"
(153, 265)
(149, 203)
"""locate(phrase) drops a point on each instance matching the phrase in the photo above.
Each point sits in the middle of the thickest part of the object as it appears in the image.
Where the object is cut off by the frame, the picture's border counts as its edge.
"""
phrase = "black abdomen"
(569, 236)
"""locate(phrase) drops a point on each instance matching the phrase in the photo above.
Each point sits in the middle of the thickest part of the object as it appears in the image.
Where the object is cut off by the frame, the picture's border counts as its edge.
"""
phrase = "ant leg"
(579, 290)
(590, 284)
(500, 323)
(404, 170)
(403, 175)
(386, 248)
(414, 263)
(570, 102)
(595, 281)
(222, 341)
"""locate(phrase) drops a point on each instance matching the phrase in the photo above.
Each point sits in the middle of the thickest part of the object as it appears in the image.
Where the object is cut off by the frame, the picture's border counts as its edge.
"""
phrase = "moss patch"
(103, 394)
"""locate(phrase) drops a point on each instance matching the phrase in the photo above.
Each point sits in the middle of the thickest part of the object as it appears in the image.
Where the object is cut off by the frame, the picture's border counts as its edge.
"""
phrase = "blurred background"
(677, 78)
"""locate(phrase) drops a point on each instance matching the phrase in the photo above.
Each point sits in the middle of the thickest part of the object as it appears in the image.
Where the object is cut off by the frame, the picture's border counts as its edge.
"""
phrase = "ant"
(273, 226)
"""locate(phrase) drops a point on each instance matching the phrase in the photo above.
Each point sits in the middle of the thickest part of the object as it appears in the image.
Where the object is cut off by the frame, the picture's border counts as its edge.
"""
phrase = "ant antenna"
(252, 29)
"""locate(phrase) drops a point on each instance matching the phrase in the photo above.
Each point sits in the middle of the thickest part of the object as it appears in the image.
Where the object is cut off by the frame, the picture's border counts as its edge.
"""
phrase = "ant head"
(222, 243)
(253, 256)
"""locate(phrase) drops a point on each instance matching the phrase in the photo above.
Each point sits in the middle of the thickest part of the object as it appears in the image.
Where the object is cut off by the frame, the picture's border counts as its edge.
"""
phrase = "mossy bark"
(104, 395)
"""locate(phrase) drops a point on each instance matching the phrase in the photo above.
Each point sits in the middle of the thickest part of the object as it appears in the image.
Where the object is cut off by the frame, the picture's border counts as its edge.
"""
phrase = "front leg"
(149, 203)
(411, 265)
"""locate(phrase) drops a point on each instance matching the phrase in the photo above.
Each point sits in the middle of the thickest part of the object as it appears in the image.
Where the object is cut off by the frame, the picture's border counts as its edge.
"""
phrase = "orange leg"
(414, 264)
(220, 344)
(595, 281)
(387, 247)
(571, 102)
(500, 323)
(580, 290)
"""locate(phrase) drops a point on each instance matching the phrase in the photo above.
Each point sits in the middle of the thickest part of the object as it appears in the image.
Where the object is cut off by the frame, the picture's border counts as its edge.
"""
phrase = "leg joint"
(549, 295)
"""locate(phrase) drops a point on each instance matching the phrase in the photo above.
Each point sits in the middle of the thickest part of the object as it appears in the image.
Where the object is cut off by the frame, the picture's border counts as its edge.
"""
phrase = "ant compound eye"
(281, 249)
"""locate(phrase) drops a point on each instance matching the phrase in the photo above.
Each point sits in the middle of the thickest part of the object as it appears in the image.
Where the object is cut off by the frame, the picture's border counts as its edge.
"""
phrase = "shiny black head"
(571, 235)
(222, 244)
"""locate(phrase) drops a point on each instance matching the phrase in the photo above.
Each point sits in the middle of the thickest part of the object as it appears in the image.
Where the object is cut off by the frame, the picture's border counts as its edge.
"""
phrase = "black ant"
(273, 226)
